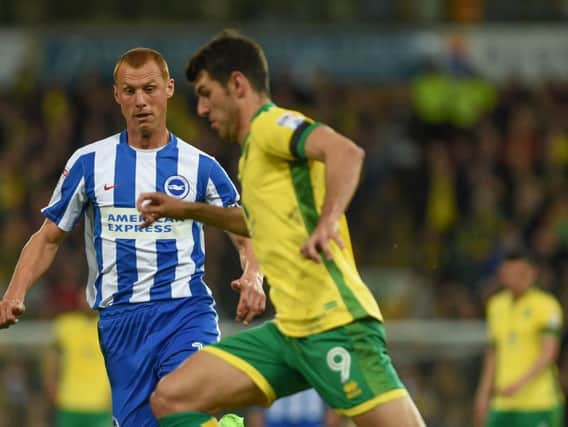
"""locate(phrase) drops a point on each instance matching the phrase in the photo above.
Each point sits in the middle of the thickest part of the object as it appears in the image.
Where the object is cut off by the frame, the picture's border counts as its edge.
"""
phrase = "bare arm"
(246, 255)
(156, 205)
(51, 372)
(550, 347)
(252, 301)
(484, 388)
(35, 258)
(343, 162)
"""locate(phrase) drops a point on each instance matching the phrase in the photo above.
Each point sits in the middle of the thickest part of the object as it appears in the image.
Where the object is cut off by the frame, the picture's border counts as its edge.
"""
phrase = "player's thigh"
(195, 328)
(143, 342)
(400, 412)
(267, 357)
(204, 383)
(351, 369)
(249, 368)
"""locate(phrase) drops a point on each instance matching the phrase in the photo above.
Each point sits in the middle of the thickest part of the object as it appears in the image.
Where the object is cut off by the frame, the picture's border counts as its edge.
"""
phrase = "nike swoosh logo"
(110, 186)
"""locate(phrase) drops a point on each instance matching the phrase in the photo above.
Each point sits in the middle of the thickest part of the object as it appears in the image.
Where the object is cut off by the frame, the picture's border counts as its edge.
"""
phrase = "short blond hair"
(139, 56)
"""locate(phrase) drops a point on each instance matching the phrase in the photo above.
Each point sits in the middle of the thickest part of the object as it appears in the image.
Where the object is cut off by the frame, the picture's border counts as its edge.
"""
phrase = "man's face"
(142, 94)
(517, 275)
(218, 105)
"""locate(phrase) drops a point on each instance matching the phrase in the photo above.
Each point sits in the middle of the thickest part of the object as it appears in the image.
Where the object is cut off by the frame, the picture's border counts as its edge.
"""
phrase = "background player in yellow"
(519, 383)
(297, 179)
(75, 375)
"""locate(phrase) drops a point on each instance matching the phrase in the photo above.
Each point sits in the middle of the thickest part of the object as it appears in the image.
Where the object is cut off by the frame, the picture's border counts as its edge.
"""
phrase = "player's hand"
(252, 300)
(480, 411)
(511, 390)
(10, 310)
(153, 206)
(318, 242)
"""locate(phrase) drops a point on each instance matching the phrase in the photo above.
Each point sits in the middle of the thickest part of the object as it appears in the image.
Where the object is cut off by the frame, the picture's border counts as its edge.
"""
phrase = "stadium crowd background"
(459, 166)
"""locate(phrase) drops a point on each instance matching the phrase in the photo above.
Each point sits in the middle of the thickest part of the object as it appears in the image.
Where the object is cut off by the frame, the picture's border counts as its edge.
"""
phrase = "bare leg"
(204, 383)
(395, 413)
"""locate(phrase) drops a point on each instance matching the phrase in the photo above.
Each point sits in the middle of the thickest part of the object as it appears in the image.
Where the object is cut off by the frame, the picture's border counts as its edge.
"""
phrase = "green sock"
(188, 419)
(231, 420)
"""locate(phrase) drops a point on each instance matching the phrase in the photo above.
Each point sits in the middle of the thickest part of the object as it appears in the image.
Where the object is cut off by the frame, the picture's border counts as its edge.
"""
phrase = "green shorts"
(348, 366)
(550, 418)
(65, 418)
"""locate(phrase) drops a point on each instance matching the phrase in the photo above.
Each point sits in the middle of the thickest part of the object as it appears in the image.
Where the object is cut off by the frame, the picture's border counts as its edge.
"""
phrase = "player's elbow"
(355, 153)
(240, 229)
(552, 354)
(359, 153)
(244, 232)
(239, 225)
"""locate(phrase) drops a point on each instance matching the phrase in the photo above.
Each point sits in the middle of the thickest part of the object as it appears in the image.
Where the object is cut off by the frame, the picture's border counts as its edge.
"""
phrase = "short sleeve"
(550, 317)
(284, 135)
(220, 190)
(69, 197)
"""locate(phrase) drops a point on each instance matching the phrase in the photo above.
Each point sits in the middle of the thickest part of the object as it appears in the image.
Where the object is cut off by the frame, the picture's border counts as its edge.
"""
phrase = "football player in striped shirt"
(147, 283)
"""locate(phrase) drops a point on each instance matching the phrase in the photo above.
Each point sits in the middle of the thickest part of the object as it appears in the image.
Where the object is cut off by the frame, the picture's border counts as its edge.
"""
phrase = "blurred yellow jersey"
(282, 195)
(516, 328)
(83, 383)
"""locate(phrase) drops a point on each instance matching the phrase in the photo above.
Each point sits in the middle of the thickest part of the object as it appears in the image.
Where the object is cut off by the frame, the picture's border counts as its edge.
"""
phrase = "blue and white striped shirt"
(127, 264)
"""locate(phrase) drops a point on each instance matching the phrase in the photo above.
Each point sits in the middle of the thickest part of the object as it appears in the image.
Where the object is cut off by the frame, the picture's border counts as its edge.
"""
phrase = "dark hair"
(231, 51)
(138, 57)
(518, 253)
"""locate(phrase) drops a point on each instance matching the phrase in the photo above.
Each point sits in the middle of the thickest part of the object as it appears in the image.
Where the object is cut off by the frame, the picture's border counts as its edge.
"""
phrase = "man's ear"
(115, 93)
(170, 88)
(238, 83)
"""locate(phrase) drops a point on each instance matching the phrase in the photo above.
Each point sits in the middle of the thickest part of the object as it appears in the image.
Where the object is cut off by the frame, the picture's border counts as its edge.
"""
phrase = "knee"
(161, 403)
(168, 399)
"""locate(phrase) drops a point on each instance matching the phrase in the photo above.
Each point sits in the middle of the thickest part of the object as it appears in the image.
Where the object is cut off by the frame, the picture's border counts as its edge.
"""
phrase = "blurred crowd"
(457, 169)
(356, 12)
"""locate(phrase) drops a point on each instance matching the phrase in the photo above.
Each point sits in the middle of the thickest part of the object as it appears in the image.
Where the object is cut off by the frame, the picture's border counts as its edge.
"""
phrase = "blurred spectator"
(75, 376)
(17, 393)
(519, 382)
